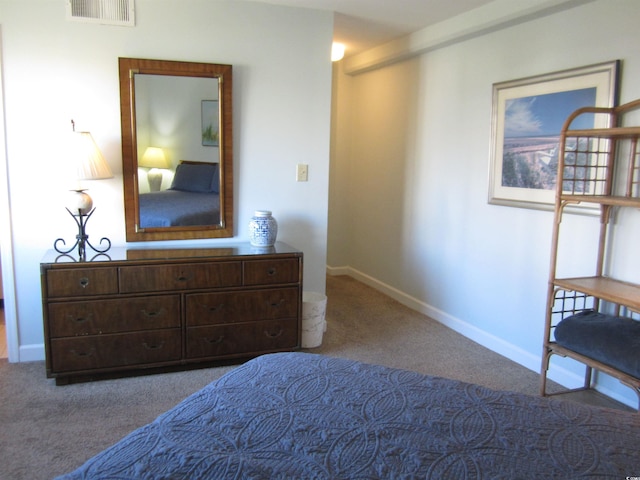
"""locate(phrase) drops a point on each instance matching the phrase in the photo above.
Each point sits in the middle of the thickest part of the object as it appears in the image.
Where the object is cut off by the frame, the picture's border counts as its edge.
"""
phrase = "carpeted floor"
(49, 430)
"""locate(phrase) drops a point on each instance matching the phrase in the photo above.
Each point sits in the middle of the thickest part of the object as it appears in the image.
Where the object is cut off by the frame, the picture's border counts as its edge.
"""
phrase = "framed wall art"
(527, 118)
(210, 123)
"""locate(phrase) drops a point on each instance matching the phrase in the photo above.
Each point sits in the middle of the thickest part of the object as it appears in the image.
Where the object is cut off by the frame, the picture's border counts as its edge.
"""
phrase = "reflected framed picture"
(527, 117)
(210, 123)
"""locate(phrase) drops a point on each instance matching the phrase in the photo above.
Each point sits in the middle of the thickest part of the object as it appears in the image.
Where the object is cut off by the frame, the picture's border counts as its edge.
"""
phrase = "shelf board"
(605, 288)
(616, 132)
(602, 200)
(629, 380)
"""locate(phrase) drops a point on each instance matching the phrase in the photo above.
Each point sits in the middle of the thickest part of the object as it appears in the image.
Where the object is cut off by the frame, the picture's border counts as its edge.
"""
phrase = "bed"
(308, 416)
(192, 199)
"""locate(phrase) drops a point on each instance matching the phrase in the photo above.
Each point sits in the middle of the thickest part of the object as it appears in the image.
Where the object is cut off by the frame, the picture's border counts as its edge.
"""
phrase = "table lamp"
(154, 159)
(87, 164)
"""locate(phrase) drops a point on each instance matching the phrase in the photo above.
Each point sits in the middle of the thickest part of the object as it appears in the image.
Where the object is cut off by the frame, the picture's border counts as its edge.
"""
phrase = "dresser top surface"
(142, 253)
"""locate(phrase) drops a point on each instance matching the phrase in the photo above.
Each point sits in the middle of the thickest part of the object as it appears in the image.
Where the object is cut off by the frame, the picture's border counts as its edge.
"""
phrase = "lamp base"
(154, 176)
(82, 239)
(79, 200)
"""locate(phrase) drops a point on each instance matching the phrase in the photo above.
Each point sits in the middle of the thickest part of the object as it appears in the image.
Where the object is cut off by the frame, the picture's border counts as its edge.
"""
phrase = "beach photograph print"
(532, 128)
(527, 119)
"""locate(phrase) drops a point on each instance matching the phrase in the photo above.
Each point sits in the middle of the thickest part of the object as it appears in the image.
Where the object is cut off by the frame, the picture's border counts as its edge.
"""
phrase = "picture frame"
(210, 123)
(527, 117)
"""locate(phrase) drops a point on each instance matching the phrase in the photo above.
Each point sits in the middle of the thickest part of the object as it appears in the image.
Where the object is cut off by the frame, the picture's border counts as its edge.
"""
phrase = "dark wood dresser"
(145, 310)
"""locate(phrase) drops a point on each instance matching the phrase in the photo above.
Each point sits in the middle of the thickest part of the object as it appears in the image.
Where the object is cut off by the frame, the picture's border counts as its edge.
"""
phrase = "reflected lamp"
(155, 160)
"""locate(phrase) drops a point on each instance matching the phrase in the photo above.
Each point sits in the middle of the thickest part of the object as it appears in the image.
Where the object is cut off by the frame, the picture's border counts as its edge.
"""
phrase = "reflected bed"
(193, 199)
(172, 208)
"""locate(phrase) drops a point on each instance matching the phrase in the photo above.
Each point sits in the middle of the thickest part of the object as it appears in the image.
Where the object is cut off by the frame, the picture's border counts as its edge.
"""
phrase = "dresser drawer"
(155, 278)
(269, 272)
(82, 281)
(106, 351)
(219, 308)
(68, 319)
(253, 337)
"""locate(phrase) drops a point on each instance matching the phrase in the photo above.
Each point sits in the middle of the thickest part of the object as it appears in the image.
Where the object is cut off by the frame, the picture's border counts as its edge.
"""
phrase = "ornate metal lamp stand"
(82, 239)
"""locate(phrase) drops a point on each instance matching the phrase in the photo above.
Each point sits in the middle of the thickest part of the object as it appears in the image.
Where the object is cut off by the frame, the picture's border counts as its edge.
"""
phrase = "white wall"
(414, 158)
(56, 70)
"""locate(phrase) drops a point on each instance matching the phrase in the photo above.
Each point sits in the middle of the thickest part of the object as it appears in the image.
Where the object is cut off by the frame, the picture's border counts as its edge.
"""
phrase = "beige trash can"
(314, 307)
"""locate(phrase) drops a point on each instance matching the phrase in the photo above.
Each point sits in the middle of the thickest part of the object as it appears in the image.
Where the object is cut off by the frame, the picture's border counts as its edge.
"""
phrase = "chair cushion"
(614, 341)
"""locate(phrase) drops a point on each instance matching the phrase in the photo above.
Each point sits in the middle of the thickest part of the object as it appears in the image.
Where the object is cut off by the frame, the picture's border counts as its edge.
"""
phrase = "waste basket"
(314, 306)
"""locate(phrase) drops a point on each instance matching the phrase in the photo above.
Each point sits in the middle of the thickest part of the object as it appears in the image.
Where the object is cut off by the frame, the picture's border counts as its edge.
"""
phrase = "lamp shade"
(153, 158)
(88, 162)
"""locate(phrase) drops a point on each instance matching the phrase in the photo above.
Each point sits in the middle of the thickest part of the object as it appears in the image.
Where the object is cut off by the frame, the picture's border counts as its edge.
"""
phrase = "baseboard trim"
(528, 360)
(339, 271)
(31, 353)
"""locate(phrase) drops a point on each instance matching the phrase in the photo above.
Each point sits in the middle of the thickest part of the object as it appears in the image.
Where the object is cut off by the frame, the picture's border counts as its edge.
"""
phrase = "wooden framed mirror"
(177, 149)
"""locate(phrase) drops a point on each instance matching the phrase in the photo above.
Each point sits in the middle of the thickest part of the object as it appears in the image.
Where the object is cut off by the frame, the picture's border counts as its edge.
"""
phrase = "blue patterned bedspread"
(305, 416)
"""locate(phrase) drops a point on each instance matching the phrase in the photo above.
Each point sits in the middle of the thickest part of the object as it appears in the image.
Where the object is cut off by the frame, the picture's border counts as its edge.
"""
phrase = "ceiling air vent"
(107, 12)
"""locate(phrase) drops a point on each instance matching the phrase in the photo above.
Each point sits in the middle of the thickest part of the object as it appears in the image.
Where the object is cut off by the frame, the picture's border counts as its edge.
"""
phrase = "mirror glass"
(176, 145)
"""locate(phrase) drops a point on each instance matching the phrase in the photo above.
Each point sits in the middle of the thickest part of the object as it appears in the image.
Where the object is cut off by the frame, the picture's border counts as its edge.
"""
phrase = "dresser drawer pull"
(84, 282)
(79, 320)
(215, 308)
(277, 304)
(153, 346)
(214, 341)
(84, 354)
(156, 313)
(184, 278)
(273, 334)
(272, 271)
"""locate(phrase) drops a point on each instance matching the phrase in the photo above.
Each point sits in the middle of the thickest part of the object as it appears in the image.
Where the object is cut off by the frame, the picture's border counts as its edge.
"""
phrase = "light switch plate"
(302, 172)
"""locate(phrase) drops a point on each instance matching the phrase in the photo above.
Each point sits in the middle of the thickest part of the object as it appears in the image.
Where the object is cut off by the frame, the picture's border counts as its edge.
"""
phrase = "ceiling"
(363, 24)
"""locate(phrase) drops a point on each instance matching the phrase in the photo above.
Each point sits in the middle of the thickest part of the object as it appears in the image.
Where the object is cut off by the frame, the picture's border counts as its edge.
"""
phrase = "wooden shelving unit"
(599, 167)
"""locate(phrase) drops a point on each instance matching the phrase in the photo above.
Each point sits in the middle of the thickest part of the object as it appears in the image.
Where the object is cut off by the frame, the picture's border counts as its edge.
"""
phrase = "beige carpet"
(49, 430)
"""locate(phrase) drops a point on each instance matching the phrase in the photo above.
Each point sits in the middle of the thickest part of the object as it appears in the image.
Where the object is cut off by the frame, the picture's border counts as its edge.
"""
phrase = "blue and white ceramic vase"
(263, 229)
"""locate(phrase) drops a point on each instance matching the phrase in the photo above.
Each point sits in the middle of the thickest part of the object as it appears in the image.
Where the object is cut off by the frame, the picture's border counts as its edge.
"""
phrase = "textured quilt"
(305, 416)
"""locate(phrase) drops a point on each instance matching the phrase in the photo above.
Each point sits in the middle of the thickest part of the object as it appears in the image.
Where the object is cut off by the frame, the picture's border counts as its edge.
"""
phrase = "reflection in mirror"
(173, 124)
(176, 143)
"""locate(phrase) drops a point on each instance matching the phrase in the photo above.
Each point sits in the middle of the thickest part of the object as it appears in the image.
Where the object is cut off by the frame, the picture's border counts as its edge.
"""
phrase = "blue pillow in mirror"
(196, 177)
